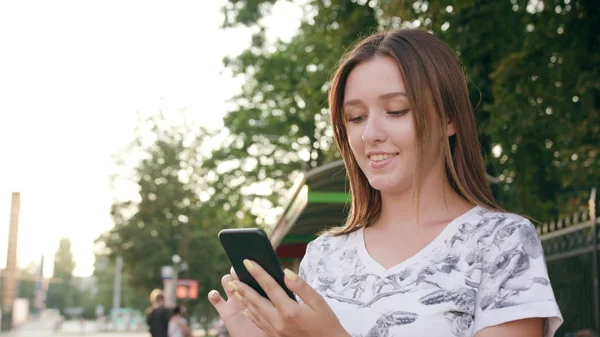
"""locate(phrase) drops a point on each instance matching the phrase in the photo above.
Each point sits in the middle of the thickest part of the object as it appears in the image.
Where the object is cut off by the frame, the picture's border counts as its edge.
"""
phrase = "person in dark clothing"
(158, 318)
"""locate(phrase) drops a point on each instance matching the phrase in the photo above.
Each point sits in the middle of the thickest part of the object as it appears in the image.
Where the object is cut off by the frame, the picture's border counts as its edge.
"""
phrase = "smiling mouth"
(382, 157)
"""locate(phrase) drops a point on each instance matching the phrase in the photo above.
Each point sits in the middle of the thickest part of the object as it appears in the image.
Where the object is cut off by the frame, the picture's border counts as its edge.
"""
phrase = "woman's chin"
(382, 186)
(385, 186)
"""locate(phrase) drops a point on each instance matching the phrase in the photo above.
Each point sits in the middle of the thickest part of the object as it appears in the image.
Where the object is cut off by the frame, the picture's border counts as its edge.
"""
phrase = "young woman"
(425, 250)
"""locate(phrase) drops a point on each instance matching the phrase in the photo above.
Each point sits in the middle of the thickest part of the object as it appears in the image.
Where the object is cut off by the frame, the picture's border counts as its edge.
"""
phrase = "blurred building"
(316, 201)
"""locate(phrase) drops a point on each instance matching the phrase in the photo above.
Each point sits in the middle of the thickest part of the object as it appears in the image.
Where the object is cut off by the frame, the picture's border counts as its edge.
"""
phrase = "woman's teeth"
(381, 157)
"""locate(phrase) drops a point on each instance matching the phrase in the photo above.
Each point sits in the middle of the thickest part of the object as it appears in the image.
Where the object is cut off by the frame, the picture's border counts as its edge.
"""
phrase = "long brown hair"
(437, 92)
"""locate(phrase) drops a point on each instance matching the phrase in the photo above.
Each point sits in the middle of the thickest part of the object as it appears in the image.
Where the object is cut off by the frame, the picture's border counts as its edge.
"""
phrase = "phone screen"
(252, 244)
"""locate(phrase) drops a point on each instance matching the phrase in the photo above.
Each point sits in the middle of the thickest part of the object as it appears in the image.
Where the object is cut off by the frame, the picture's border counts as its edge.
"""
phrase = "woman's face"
(380, 126)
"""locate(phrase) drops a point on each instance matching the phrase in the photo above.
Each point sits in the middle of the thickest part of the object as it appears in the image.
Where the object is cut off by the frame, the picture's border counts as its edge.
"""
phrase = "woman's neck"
(438, 203)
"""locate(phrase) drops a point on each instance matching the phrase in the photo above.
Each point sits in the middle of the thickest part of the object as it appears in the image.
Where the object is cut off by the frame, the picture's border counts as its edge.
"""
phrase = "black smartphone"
(252, 244)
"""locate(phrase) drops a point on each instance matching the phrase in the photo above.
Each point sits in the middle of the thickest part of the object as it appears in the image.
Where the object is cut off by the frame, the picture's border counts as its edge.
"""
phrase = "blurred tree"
(84, 295)
(175, 212)
(546, 112)
(104, 273)
(86, 298)
(280, 124)
(60, 292)
(533, 69)
(28, 278)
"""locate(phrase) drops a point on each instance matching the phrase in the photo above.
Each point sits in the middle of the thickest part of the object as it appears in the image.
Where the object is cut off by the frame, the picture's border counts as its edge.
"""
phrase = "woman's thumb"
(216, 300)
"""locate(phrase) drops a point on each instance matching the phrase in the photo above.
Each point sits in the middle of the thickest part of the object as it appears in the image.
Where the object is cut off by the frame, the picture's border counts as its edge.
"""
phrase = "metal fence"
(571, 249)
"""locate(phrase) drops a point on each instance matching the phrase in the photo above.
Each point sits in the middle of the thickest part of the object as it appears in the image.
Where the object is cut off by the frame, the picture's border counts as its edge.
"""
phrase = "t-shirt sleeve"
(514, 279)
(309, 261)
(308, 264)
(171, 329)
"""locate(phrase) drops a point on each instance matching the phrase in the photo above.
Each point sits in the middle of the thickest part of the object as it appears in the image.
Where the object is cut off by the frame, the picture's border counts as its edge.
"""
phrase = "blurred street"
(39, 328)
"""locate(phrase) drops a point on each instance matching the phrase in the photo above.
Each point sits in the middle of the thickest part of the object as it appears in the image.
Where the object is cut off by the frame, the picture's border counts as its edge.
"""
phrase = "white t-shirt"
(485, 268)
(174, 329)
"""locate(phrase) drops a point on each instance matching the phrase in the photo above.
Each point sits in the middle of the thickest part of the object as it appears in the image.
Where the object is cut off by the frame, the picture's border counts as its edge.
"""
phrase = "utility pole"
(9, 276)
(40, 292)
(183, 267)
(176, 259)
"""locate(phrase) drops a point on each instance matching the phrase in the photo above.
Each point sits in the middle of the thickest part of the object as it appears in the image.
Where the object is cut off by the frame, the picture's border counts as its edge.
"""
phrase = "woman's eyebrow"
(392, 95)
(354, 102)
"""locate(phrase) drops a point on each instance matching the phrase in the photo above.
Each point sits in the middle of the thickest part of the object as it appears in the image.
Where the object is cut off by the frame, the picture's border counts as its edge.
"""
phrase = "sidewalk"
(38, 328)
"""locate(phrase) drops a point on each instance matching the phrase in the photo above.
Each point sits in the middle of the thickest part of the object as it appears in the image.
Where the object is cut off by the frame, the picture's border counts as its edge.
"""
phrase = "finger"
(255, 320)
(258, 320)
(308, 295)
(233, 273)
(224, 282)
(216, 300)
(251, 297)
(276, 294)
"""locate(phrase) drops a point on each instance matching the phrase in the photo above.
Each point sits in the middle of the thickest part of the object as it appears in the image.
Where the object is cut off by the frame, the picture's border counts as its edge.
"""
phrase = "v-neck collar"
(377, 268)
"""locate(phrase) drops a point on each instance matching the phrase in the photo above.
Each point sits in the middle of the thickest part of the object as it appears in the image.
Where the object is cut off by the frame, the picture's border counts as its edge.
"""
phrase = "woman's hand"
(230, 311)
(282, 316)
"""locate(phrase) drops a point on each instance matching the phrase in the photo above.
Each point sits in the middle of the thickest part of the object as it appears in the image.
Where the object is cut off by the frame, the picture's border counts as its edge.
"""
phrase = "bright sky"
(73, 74)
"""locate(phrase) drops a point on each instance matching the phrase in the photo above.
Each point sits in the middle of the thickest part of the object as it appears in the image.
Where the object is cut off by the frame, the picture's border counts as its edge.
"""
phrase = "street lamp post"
(176, 259)
(178, 265)
(184, 267)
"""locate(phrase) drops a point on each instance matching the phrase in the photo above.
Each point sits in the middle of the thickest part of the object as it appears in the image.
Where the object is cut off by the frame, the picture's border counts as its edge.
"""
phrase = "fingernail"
(212, 293)
(248, 264)
(290, 274)
(245, 313)
(239, 297)
(232, 286)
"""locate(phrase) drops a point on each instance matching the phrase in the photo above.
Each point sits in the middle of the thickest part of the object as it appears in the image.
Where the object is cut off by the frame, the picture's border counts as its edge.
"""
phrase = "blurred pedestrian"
(183, 314)
(153, 304)
(177, 324)
(158, 318)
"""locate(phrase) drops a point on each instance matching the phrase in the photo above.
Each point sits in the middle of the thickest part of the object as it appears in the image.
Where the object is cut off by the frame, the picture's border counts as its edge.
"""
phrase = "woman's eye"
(398, 112)
(357, 119)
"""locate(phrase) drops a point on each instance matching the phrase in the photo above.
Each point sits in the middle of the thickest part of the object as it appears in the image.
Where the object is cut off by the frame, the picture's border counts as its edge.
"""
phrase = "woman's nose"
(373, 132)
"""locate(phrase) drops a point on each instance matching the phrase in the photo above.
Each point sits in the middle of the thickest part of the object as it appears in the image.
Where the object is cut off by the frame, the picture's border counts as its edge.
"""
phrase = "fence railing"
(571, 249)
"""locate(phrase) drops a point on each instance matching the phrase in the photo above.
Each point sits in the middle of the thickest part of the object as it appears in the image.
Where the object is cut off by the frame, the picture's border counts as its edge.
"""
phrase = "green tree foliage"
(104, 273)
(536, 66)
(280, 124)
(176, 212)
(60, 292)
(533, 69)
(551, 86)
(64, 264)
(27, 281)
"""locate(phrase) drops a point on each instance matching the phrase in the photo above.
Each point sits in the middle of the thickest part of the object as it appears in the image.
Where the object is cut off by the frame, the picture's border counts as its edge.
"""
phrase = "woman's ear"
(450, 129)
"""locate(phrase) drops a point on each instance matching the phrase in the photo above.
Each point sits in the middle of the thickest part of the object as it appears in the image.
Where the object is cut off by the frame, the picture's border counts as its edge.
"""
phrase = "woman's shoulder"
(323, 248)
(488, 213)
(327, 240)
(502, 231)
(485, 228)
(497, 219)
